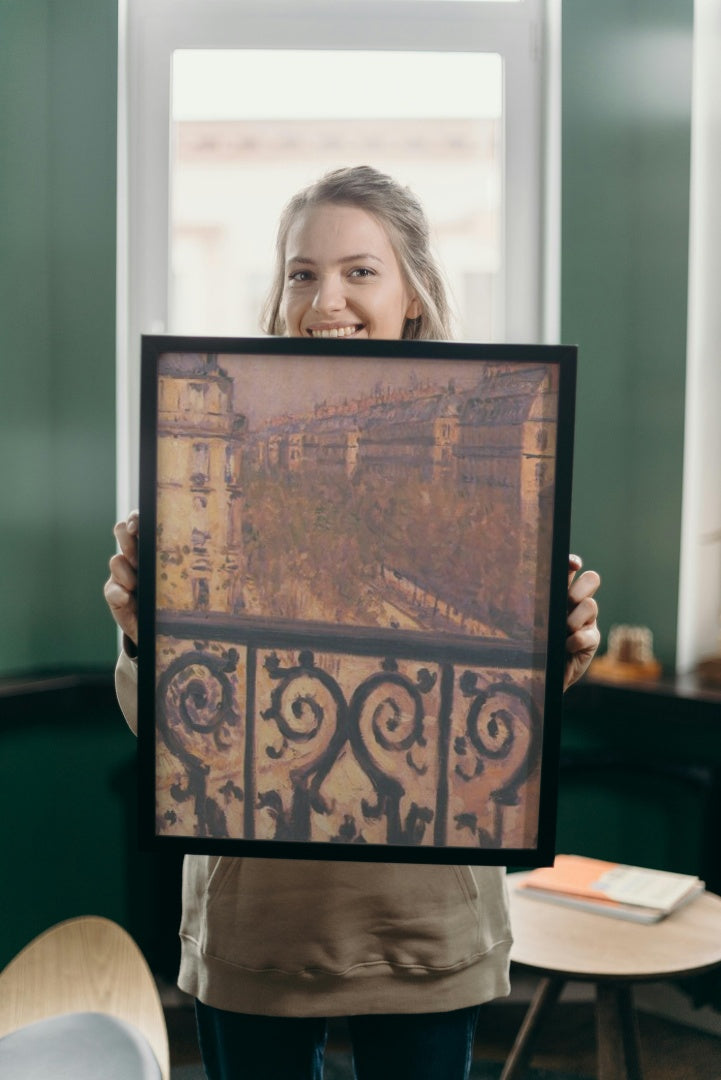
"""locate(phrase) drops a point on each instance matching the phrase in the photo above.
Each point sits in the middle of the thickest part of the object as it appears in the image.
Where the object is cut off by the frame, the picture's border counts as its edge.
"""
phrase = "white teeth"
(335, 332)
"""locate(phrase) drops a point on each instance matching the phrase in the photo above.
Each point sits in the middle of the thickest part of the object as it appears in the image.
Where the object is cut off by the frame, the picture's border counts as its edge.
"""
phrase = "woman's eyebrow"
(361, 257)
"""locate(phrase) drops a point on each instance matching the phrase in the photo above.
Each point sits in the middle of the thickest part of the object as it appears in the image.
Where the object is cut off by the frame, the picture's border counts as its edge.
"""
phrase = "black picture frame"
(352, 593)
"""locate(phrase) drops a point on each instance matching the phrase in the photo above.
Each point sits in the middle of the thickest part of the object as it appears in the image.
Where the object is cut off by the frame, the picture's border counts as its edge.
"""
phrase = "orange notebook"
(630, 892)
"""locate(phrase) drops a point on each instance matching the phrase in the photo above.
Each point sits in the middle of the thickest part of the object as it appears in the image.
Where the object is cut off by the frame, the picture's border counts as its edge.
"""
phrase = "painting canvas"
(353, 567)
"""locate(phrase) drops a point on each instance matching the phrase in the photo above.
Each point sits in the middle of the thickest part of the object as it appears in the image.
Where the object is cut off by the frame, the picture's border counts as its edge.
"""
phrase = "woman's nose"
(329, 294)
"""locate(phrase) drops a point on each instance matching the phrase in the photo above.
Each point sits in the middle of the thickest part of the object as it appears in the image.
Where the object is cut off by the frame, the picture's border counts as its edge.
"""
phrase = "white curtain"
(700, 583)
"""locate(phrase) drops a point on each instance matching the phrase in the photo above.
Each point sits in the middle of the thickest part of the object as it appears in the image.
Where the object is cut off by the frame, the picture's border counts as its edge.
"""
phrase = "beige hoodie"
(297, 938)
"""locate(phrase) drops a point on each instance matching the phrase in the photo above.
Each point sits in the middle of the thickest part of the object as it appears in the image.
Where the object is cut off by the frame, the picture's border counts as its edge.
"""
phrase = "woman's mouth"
(335, 331)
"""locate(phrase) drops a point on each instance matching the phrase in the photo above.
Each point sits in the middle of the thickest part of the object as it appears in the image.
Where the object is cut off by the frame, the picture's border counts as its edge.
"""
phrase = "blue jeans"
(415, 1046)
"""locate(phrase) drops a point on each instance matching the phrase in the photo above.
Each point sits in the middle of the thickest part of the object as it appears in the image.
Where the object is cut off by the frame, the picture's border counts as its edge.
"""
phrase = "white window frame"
(526, 34)
(699, 596)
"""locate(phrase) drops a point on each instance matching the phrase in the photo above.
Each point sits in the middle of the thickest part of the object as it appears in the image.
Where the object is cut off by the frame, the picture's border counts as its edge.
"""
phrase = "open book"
(608, 888)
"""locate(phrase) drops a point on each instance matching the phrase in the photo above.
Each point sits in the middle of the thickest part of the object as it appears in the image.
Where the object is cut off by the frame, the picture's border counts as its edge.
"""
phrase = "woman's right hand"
(121, 587)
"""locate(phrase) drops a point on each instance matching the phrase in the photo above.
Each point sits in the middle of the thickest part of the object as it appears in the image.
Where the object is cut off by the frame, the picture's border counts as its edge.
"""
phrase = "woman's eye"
(362, 272)
(300, 276)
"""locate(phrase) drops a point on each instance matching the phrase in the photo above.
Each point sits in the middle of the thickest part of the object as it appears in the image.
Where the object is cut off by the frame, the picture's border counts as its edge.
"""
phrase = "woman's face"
(342, 277)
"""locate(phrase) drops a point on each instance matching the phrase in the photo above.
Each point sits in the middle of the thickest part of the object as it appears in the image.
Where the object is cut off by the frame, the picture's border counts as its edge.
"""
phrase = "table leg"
(545, 997)
(617, 1033)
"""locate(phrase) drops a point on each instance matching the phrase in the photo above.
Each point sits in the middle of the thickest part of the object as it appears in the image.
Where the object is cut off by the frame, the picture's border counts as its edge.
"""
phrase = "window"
(200, 464)
(449, 95)
(235, 160)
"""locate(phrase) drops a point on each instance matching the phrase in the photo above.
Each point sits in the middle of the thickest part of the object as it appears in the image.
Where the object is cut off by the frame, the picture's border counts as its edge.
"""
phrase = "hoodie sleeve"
(126, 688)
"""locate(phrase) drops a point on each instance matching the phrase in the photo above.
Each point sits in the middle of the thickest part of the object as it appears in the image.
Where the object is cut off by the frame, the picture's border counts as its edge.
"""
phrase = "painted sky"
(268, 386)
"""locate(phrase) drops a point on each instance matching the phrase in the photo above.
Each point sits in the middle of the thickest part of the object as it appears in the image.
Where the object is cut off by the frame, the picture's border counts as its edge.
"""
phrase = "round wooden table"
(562, 944)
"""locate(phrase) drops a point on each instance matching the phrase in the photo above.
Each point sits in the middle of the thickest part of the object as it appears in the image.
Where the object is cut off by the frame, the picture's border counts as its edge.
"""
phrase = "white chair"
(80, 1002)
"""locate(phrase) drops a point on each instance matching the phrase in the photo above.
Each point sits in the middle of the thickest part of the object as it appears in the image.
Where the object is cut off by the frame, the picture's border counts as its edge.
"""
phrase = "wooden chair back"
(86, 964)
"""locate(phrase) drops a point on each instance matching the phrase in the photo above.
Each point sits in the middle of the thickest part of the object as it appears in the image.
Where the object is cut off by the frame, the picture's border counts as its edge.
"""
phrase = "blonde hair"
(403, 217)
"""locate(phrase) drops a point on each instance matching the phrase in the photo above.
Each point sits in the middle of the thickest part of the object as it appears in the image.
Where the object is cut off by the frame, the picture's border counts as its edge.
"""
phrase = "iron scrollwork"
(423, 742)
(385, 716)
(381, 727)
(196, 707)
(301, 707)
(503, 727)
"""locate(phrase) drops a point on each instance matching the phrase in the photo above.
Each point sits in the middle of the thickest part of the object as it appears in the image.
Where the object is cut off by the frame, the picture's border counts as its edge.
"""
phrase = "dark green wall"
(625, 202)
(58, 73)
(68, 802)
(67, 770)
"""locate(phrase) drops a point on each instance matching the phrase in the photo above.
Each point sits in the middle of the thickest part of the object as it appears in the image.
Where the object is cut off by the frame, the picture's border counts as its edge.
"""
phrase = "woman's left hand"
(582, 637)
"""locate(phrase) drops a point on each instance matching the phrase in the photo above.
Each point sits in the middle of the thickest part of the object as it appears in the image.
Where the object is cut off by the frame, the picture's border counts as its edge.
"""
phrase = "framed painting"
(352, 597)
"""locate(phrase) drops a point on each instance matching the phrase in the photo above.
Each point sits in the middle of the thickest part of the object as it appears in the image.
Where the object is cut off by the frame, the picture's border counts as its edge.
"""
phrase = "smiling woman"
(353, 259)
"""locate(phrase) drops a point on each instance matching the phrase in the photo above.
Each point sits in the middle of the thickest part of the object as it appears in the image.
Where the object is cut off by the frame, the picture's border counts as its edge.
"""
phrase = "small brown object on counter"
(629, 657)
